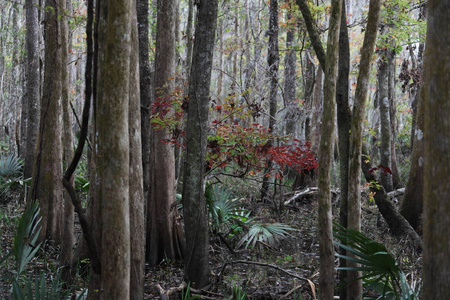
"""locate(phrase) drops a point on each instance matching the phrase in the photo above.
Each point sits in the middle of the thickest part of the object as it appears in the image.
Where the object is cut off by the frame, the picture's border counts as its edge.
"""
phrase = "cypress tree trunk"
(436, 256)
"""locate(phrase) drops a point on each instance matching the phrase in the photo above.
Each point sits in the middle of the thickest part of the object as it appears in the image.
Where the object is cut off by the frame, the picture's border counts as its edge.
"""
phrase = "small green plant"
(10, 173)
(186, 293)
(239, 293)
(225, 211)
(381, 272)
(265, 234)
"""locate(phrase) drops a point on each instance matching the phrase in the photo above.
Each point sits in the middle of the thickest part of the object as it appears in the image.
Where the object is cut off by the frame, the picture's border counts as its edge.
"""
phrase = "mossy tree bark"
(46, 186)
(436, 256)
(32, 86)
(194, 204)
(326, 249)
(113, 149)
(354, 188)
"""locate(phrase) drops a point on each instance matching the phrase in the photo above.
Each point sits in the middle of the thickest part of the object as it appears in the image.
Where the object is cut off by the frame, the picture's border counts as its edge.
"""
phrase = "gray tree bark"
(326, 249)
(436, 256)
(33, 86)
(194, 204)
(354, 189)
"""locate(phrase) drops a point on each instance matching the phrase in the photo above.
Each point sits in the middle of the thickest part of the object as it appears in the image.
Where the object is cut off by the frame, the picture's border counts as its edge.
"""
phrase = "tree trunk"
(137, 203)
(343, 121)
(354, 188)
(273, 60)
(46, 186)
(436, 230)
(113, 146)
(33, 86)
(145, 88)
(290, 77)
(163, 229)
(67, 140)
(326, 249)
(194, 204)
(385, 121)
(411, 206)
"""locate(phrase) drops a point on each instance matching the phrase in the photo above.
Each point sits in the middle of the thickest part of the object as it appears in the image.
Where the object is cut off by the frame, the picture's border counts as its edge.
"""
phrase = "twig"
(270, 266)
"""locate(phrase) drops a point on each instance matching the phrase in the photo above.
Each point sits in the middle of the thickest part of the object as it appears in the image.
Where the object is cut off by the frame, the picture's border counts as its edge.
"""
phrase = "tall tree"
(164, 236)
(145, 87)
(194, 204)
(354, 188)
(326, 249)
(290, 77)
(273, 60)
(32, 86)
(113, 148)
(68, 230)
(343, 121)
(136, 190)
(436, 256)
(48, 159)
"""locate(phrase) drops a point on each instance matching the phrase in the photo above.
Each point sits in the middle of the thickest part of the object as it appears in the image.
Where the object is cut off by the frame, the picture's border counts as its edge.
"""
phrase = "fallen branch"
(307, 191)
(270, 266)
(165, 295)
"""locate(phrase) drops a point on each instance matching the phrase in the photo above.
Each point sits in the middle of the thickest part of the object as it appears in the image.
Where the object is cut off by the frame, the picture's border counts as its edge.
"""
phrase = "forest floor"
(287, 270)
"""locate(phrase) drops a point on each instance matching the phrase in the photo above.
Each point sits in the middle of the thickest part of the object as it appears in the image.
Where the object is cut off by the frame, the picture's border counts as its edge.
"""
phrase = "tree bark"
(436, 257)
(354, 188)
(194, 204)
(48, 160)
(113, 146)
(164, 239)
(68, 229)
(33, 86)
(273, 60)
(326, 249)
(145, 88)
(385, 121)
(290, 77)
(137, 203)
(343, 122)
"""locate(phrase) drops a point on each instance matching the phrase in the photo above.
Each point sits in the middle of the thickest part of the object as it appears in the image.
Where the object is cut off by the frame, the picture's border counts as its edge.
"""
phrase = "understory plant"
(230, 217)
(10, 173)
(380, 271)
(25, 246)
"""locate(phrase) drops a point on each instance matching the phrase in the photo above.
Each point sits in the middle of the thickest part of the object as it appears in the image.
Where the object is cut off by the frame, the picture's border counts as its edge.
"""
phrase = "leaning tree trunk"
(46, 186)
(163, 229)
(436, 230)
(326, 249)
(194, 204)
(354, 188)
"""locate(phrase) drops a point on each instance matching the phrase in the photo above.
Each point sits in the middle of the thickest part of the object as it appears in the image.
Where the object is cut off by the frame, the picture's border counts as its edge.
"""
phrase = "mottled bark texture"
(326, 249)
(354, 188)
(113, 149)
(411, 206)
(385, 120)
(67, 140)
(436, 231)
(164, 233)
(194, 205)
(32, 86)
(46, 186)
(145, 88)
(273, 61)
(343, 122)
